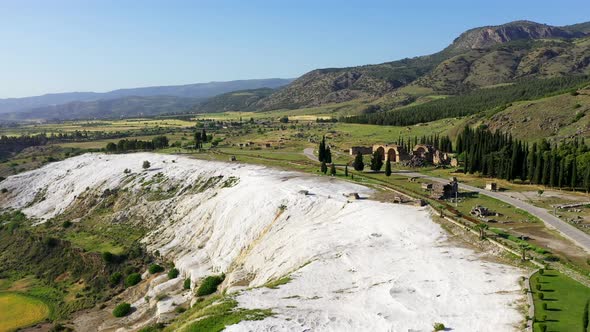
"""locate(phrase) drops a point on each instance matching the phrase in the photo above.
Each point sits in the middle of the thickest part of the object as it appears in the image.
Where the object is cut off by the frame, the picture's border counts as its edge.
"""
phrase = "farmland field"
(18, 310)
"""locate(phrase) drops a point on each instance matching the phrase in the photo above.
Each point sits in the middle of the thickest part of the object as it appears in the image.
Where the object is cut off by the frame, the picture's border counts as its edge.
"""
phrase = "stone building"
(396, 153)
(362, 149)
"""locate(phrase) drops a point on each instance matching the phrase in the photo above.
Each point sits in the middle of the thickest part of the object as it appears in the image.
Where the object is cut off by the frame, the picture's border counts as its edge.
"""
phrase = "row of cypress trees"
(564, 165)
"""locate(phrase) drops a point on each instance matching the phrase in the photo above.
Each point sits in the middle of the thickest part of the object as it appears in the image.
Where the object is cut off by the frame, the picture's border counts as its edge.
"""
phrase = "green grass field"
(17, 310)
(564, 299)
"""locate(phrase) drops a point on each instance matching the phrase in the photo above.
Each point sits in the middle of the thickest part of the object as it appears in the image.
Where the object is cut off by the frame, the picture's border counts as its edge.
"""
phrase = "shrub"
(540, 296)
(4, 190)
(155, 268)
(107, 256)
(66, 224)
(146, 164)
(544, 306)
(132, 279)
(187, 283)
(180, 310)
(439, 326)
(115, 278)
(209, 285)
(122, 309)
(173, 273)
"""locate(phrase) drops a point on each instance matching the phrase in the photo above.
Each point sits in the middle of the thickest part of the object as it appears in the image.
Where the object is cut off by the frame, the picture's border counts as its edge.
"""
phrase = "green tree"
(388, 167)
(324, 167)
(346, 170)
(132, 279)
(146, 164)
(376, 161)
(122, 309)
(358, 163)
(333, 170)
(587, 179)
(173, 273)
(328, 156)
(574, 174)
(322, 149)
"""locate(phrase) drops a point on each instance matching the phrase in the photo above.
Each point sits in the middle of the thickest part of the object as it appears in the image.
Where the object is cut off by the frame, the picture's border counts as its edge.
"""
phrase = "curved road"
(577, 236)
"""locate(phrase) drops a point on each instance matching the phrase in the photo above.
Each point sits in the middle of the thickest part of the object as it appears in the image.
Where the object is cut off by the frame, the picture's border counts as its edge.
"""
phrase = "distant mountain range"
(479, 57)
(186, 96)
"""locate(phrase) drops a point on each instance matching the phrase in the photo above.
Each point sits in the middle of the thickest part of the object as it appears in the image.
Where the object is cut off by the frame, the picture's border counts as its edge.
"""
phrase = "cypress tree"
(333, 170)
(322, 149)
(388, 167)
(324, 167)
(538, 168)
(204, 136)
(532, 162)
(574, 174)
(328, 155)
(346, 170)
(546, 168)
(376, 162)
(553, 171)
(561, 176)
(587, 179)
(358, 164)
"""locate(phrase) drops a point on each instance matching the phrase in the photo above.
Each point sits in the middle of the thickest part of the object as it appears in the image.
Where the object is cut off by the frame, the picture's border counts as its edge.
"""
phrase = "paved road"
(577, 236)
(308, 152)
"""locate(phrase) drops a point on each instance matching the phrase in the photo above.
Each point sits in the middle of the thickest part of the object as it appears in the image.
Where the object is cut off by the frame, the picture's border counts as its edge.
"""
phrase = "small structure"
(454, 162)
(444, 191)
(352, 196)
(354, 150)
(232, 158)
(482, 213)
(491, 186)
(412, 179)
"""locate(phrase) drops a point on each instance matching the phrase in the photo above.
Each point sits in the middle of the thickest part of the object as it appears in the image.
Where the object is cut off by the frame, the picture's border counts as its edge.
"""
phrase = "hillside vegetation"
(473, 102)
(480, 57)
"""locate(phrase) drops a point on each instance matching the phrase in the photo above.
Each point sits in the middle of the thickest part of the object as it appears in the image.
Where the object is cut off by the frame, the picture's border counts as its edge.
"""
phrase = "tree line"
(125, 145)
(494, 154)
(473, 102)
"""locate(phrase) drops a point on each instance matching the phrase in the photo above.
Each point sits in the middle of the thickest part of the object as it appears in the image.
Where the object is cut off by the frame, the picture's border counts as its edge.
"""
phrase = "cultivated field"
(17, 310)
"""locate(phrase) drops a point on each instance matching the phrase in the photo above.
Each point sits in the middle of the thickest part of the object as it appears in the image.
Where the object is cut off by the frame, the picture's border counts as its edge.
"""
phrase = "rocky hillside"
(479, 57)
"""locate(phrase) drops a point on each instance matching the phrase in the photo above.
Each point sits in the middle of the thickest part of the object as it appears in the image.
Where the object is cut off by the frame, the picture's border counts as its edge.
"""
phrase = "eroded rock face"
(492, 35)
(362, 265)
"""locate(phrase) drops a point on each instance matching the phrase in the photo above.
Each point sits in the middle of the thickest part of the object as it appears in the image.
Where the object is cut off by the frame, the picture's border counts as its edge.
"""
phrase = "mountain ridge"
(478, 57)
(195, 90)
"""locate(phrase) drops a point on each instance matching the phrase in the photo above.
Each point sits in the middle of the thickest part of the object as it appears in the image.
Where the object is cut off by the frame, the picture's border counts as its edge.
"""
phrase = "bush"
(540, 296)
(132, 279)
(115, 278)
(146, 164)
(439, 326)
(122, 309)
(209, 285)
(544, 306)
(155, 268)
(66, 224)
(107, 256)
(187, 283)
(173, 273)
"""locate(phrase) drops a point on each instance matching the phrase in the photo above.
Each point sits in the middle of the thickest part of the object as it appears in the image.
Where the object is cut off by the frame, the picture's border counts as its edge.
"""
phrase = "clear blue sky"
(84, 45)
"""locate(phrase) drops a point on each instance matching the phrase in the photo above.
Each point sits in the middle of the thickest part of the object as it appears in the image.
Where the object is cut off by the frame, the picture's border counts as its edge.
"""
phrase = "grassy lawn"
(18, 310)
(564, 298)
